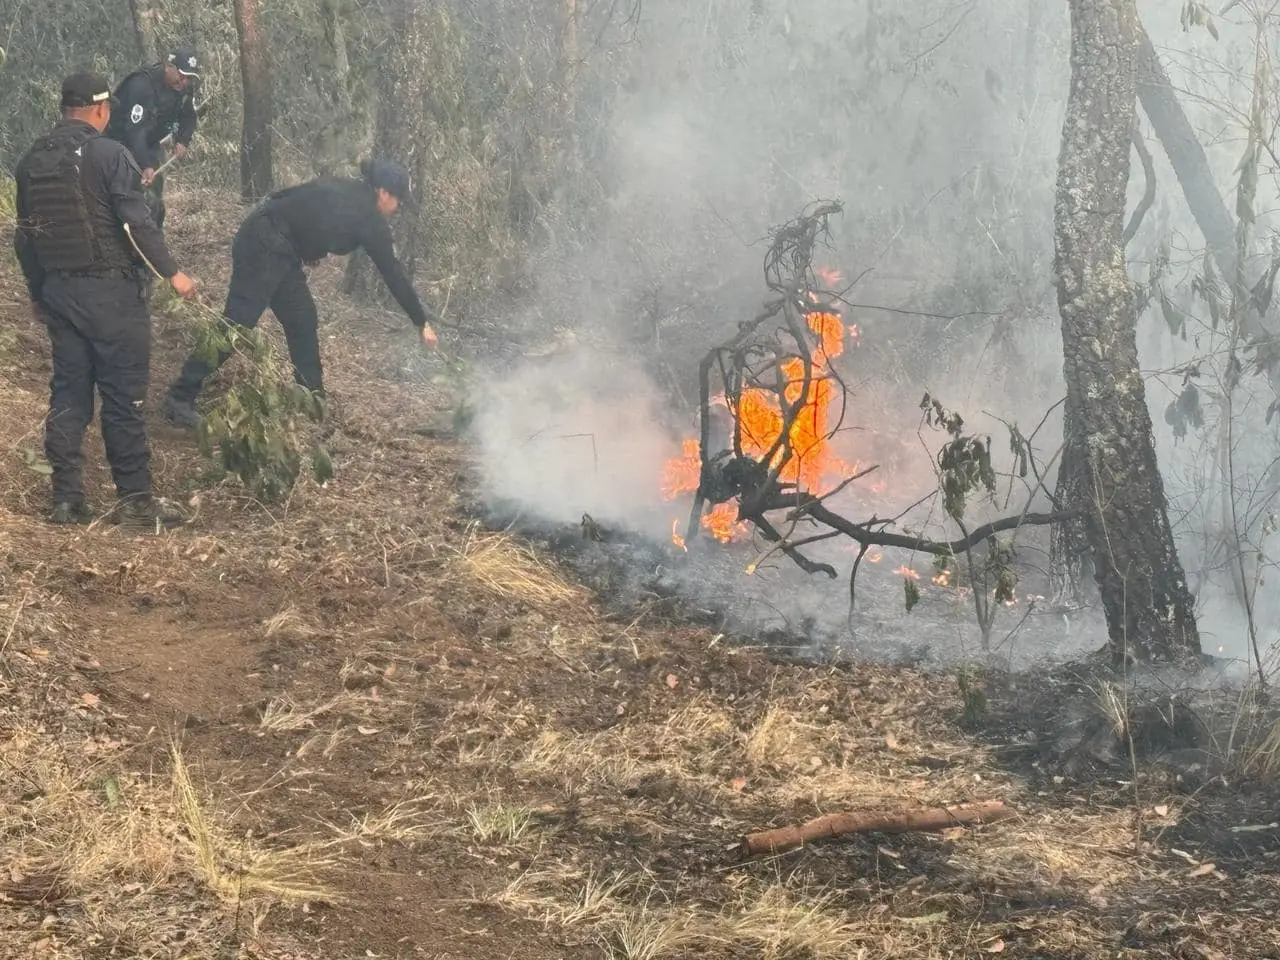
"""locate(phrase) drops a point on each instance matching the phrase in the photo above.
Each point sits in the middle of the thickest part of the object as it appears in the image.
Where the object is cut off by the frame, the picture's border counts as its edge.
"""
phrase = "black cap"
(390, 176)
(184, 59)
(86, 90)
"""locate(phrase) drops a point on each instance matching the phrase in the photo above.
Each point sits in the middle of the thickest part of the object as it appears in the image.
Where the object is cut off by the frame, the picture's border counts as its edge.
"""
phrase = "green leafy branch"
(256, 426)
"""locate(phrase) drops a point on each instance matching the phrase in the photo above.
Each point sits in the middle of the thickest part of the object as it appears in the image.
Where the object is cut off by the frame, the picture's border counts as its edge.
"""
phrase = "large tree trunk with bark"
(255, 75)
(1140, 578)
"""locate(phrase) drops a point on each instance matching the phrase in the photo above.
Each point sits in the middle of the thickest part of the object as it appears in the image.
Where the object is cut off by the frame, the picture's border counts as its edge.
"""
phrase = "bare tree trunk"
(255, 76)
(144, 29)
(401, 133)
(339, 132)
(1143, 587)
(1186, 155)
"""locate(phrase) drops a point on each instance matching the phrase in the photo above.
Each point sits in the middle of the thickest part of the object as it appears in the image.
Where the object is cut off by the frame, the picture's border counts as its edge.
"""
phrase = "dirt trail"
(470, 752)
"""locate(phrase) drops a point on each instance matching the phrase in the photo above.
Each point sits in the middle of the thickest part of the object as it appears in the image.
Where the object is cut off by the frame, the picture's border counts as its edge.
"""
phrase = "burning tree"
(771, 399)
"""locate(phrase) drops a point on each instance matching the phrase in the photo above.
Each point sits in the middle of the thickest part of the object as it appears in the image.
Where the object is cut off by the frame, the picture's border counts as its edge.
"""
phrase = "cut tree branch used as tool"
(904, 821)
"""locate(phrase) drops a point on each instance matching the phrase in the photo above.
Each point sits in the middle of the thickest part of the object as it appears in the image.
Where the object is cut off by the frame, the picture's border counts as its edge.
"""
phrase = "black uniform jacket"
(337, 215)
(147, 111)
(112, 184)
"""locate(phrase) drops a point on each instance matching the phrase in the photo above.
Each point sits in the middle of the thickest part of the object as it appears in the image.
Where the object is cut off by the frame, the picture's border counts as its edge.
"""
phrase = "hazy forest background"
(605, 171)
(598, 181)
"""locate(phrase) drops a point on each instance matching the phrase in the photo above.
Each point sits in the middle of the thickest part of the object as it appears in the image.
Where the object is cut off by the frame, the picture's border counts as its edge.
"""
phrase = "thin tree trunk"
(339, 132)
(255, 75)
(401, 133)
(144, 29)
(1140, 578)
(1186, 155)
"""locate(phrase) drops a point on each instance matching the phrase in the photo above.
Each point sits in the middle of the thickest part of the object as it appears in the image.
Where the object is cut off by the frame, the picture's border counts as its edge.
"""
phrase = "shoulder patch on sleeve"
(135, 115)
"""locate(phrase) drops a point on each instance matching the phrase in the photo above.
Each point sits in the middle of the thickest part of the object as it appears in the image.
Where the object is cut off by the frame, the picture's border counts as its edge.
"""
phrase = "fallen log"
(837, 824)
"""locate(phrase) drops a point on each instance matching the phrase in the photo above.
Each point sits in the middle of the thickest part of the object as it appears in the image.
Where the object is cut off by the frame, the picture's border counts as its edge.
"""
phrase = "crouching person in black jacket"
(83, 231)
(298, 225)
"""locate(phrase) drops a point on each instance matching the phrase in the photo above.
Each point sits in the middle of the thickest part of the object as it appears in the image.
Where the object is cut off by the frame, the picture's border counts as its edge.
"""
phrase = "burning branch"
(766, 422)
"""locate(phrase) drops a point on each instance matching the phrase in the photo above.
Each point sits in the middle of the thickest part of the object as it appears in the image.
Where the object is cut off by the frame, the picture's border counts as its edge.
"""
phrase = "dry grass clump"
(783, 923)
(512, 571)
(284, 714)
(288, 624)
(74, 827)
(241, 870)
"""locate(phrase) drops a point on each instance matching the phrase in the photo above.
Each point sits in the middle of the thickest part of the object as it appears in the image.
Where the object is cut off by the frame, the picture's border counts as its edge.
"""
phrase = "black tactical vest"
(69, 231)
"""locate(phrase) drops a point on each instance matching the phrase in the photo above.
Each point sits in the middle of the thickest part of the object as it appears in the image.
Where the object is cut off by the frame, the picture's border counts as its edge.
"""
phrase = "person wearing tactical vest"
(302, 225)
(83, 236)
(153, 103)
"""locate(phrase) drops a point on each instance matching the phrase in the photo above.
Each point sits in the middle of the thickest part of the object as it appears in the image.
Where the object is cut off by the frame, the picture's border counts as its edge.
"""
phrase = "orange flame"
(812, 466)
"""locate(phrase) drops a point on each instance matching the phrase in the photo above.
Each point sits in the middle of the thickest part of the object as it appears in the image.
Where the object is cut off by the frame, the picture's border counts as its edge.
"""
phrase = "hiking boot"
(66, 511)
(147, 513)
(181, 412)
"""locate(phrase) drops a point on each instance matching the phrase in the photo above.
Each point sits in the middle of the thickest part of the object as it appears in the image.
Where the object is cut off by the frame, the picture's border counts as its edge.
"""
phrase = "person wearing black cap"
(154, 103)
(302, 225)
(83, 235)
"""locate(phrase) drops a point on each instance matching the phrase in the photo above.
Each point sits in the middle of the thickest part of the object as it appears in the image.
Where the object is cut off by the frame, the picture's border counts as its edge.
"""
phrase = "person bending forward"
(297, 225)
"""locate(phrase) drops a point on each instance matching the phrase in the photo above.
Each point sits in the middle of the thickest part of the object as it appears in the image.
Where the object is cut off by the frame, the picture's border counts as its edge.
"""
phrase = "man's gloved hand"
(148, 175)
(429, 338)
(179, 150)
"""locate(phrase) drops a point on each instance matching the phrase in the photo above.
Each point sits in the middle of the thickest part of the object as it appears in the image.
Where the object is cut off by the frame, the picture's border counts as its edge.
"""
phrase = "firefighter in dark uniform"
(153, 103)
(297, 225)
(82, 232)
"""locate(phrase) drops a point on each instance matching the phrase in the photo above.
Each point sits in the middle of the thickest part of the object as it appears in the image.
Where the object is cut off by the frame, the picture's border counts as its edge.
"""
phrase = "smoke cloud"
(938, 127)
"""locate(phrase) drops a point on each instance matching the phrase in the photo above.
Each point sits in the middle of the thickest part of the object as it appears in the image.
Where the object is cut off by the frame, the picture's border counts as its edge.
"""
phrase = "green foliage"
(1196, 14)
(911, 593)
(964, 463)
(973, 695)
(1185, 410)
(998, 571)
(256, 426)
(34, 461)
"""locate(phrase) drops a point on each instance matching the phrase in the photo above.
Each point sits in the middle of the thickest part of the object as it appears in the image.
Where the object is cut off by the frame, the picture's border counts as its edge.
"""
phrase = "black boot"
(181, 412)
(147, 513)
(68, 511)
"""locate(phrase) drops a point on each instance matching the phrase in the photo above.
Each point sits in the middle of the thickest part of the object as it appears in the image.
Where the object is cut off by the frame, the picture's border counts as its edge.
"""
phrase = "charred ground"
(365, 724)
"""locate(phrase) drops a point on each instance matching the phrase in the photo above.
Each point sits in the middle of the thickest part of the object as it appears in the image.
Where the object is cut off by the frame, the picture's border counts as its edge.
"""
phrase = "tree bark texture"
(339, 132)
(1140, 578)
(255, 76)
(402, 132)
(144, 29)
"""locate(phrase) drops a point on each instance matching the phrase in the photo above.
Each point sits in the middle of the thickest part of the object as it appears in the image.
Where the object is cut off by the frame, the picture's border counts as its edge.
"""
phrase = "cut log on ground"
(907, 821)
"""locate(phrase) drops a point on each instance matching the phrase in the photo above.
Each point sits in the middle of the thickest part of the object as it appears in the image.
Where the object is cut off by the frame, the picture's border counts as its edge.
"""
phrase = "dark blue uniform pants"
(265, 272)
(100, 330)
